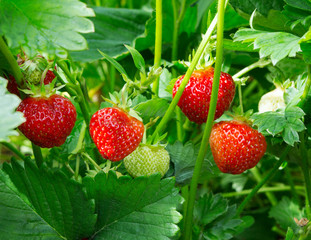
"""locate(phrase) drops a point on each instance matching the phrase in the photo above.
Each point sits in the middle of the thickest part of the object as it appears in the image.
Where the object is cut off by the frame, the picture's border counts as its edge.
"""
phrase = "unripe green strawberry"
(147, 160)
(272, 101)
(236, 146)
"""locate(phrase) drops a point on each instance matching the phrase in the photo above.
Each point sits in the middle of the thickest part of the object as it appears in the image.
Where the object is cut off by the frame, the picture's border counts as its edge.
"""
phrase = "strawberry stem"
(76, 173)
(258, 178)
(38, 154)
(14, 150)
(240, 98)
(264, 190)
(92, 161)
(264, 180)
(13, 64)
(158, 44)
(261, 63)
(185, 81)
(304, 151)
(305, 167)
(209, 122)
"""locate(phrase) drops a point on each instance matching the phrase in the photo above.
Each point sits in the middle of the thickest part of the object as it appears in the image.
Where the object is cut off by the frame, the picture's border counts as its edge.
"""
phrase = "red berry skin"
(195, 100)
(49, 77)
(115, 133)
(49, 121)
(236, 146)
(12, 86)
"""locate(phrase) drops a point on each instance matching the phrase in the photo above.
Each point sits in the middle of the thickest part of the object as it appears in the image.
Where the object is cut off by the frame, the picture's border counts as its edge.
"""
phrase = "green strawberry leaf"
(289, 234)
(285, 122)
(216, 219)
(184, 158)
(114, 63)
(238, 46)
(114, 27)
(237, 181)
(164, 81)
(306, 51)
(263, 6)
(277, 45)
(138, 59)
(138, 209)
(45, 26)
(285, 212)
(10, 119)
(153, 108)
(59, 201)
(19, 220)
(210, 207)
(298, 11)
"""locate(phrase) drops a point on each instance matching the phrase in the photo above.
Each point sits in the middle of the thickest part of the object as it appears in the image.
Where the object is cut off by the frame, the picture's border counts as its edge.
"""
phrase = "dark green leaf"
(263, 6)
(164, 81)
(138, 59)
(233, 20)
(298, 11)
(138, 209)
(18, 219)
(277, 45)
(238, 46)
(152, 108)
(287, 123)
(306, 51)
(294, 112)
(114, 27)
(224, 227)
(273, 122)
(184, 158)
(114, 63)
(148, 39)
(59, 201)
(44, 25)
(284, 213)
(290, 136)
(10, 119)
(217, 219)
(209, 208)
(289, 234)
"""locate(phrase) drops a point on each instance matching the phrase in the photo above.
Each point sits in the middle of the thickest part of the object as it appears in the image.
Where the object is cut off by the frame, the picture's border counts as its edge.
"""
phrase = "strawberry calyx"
(122, 101)
(245, 118)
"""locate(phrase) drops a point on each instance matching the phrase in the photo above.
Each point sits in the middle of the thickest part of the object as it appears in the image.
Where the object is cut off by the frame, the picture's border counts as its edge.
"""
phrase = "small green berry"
(147, 160)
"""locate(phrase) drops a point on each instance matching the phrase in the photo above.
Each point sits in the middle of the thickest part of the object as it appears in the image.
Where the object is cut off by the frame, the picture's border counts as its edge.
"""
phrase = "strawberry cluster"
(235, 146)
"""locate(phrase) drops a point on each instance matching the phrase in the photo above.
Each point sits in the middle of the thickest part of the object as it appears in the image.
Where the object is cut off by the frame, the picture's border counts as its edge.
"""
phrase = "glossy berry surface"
(49, 120)
(236, 146)
(147, 160)
(115, 133)
(194, 101)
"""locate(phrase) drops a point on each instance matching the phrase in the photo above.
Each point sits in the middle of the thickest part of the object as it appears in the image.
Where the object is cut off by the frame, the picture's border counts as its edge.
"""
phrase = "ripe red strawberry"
(49, 120)
(194, 101)
(115, 133)
(236, 146)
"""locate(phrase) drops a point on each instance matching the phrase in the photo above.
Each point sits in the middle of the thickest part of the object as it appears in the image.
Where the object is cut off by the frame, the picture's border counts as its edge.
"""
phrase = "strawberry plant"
(152, 119)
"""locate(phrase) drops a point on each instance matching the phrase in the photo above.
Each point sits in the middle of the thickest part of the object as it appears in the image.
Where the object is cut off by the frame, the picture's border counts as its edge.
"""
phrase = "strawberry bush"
(151, 119)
